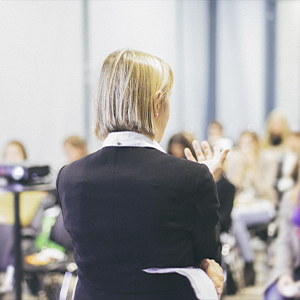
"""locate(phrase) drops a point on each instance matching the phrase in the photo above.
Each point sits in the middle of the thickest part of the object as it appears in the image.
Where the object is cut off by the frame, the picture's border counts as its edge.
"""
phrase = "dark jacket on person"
(226, 192)
(132, 208)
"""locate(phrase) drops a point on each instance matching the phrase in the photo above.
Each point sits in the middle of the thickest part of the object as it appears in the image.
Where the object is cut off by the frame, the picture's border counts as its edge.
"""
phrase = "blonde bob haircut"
(127, 85)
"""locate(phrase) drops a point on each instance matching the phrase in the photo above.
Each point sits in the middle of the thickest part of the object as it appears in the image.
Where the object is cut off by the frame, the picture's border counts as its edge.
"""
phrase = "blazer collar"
(130, 139)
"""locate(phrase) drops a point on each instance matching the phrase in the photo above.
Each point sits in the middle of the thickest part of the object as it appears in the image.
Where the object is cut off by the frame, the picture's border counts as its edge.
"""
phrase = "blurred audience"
(287, 170)
(259, 172)
(284, 282)
(75, 148)
(276, 133)
(14, 152)
(255, 198)
(177, 144)
(215, 136)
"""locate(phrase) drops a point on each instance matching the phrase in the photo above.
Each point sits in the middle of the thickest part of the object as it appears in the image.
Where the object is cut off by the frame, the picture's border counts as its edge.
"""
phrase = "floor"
(262, 269)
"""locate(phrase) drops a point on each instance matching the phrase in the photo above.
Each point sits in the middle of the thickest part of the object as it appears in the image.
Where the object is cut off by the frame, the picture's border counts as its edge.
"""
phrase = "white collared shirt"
(130, 139)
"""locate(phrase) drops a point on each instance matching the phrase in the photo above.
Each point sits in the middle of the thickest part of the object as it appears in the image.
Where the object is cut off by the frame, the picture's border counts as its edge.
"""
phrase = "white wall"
(41, 59)
(288, 61)
(40, 77)
(240, 65)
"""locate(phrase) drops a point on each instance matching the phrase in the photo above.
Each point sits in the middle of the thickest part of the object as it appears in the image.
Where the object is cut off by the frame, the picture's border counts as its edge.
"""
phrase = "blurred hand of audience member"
(283, 282)
(213, 160)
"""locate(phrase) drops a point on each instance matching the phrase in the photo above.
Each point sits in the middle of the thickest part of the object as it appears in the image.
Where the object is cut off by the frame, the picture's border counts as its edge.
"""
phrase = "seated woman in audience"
(255, 198)
(14, 152)
(276, 134)
(177, 143)
(215, 136)
(286, 175)
(284, 282)
(75, 148)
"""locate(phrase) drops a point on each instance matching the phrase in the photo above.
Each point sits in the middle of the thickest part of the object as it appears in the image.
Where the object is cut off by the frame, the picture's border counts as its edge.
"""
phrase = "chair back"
(60, 235)
(6, 246)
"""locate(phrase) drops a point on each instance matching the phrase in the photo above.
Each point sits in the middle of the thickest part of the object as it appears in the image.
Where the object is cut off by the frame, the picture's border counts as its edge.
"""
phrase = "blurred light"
(189, 128)
(17, 173)
(225, 249)
(251, 127)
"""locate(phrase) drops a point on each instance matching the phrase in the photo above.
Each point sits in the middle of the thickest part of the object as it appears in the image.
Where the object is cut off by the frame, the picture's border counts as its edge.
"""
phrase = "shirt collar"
(130, 139)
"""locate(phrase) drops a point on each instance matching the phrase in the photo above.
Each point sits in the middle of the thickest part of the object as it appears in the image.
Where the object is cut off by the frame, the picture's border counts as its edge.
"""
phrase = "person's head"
(14, 152)
(133, 94)
(248, 142)
(75, 148)
(214, 132)
(276, 130)
(177, 144)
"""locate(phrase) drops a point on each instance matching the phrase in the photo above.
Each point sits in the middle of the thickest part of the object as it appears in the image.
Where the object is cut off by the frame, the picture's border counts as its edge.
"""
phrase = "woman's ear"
(157, 103)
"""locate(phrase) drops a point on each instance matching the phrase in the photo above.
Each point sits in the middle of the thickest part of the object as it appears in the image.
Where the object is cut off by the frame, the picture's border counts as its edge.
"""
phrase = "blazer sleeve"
(206, 230)
(59, 187)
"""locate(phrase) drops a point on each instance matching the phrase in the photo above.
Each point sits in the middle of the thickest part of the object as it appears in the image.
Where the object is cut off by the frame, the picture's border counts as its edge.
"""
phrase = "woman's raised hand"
(213, 160)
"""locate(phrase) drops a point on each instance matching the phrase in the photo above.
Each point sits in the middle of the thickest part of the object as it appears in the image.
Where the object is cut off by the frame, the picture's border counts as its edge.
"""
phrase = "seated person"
(284, 282)
(177, 143)
(288, 165)
(14, 152)
(215, 136)
(75, 148)
(255, 198)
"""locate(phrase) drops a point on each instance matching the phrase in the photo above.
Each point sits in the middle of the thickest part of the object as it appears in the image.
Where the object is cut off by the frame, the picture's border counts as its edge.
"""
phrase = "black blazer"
(131, 208)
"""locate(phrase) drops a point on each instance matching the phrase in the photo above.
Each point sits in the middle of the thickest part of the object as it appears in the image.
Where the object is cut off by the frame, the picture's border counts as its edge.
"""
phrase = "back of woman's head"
(127, 85)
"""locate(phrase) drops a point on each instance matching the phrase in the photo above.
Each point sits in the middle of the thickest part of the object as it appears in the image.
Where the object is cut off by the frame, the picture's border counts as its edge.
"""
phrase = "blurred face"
(13, 153)
(214, 133)
(294, 143)
(177, 149)
(73, 153)
(276, 125)
(247, 144)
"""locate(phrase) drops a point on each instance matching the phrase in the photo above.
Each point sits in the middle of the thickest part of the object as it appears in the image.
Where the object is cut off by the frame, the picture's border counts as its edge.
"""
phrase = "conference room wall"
(288, 61)
(41, 58)
(41, 75)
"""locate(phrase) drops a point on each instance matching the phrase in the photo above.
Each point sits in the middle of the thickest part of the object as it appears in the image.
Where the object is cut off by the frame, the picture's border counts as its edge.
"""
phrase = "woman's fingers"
(189, 155)
(207, 150)
(198, 150)
(213, 160)
(223, 155)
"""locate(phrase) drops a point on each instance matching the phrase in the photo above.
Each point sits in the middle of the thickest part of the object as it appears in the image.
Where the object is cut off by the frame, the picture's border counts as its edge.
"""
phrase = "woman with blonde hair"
(130, 206)
(248, 170)
(276, 133)
(14, 151)
(75, 148)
